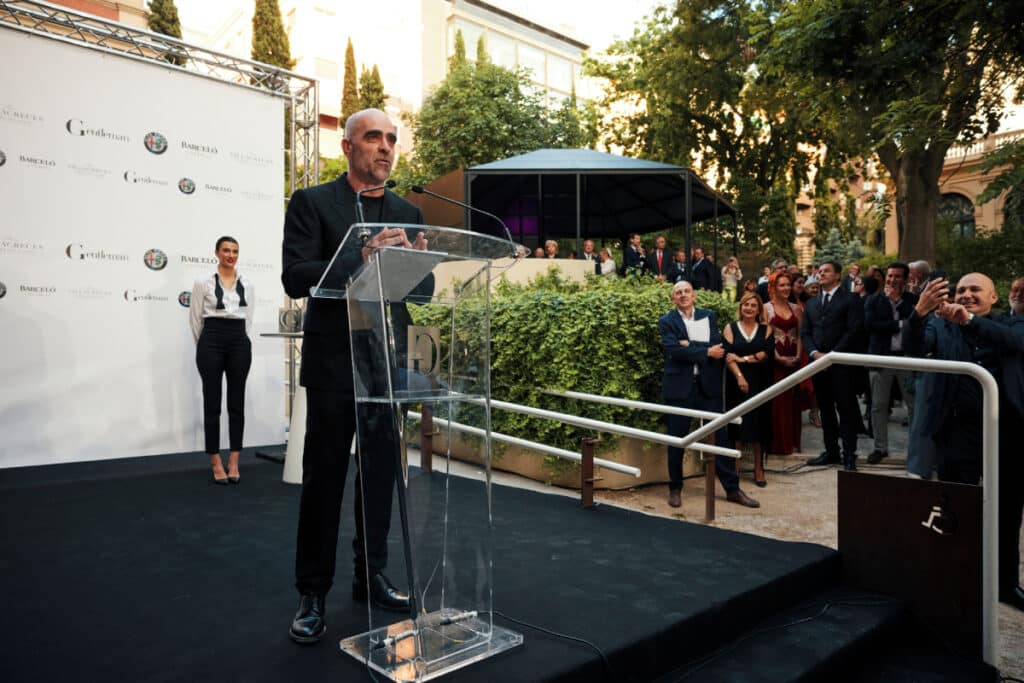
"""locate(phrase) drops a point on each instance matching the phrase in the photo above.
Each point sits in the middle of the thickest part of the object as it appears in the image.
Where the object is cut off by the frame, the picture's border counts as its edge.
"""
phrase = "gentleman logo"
(187, 185)
(941, 519)
(155, 259)
(185, 298)
(155, 143)
(424, 350)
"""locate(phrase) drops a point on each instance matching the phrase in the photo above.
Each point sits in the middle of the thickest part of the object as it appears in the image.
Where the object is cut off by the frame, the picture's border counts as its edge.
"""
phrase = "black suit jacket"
(879, 323)
(703, 275)
(840, 327)
(314, 226)
(680, 360)
(667, 263)
(632, 261)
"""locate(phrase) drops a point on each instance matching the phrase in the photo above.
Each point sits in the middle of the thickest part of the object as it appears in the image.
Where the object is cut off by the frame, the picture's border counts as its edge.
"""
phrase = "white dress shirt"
(204, 303)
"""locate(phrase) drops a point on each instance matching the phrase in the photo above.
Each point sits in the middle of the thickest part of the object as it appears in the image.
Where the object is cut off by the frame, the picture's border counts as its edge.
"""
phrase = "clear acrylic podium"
(442, 365)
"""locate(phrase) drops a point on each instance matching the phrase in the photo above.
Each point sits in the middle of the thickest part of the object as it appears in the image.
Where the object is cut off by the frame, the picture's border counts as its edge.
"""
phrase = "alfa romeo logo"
(3, 290)
(155, 143)
(155, 259)
(187, 185)
(3, 158)
(185, 298)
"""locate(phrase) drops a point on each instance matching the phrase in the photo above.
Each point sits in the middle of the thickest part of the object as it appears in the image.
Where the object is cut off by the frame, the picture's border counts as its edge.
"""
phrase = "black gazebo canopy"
(582, 193)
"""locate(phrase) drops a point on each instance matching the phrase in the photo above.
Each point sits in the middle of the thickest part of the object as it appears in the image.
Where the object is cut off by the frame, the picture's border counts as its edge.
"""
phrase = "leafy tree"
(269, 41)
(1009, 158)
(901, 81)
(686, 89)
(571, 131)
(478, 113)
(371, 89)
(349, 89)
(163, 18)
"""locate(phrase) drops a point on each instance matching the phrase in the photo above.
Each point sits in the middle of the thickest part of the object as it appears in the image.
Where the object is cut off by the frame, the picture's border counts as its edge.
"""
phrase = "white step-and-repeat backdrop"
(116, 179)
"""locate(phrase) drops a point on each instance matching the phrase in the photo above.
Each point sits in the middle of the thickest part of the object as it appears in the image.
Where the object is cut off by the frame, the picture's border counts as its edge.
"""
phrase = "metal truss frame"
(300, 93)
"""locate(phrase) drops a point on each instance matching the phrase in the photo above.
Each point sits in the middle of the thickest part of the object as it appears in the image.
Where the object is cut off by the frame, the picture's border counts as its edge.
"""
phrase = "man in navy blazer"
(693, 379)
(967, 331)
(315, 224)
(633, 262)
(884, 316)
(834, 321)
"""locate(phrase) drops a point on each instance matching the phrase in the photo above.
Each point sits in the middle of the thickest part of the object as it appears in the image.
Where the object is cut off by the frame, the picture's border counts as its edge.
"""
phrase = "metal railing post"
(427, 438)
(587, 473)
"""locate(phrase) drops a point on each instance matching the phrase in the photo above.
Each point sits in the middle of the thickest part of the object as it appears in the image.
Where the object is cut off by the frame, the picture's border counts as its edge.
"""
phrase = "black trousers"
(223, 349)
(1011, 496)
(840, 415)
(330, 425)
(679, 425)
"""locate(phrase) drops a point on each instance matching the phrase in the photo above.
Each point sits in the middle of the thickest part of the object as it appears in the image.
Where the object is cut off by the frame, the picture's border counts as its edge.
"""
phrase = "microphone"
(419, 189)
(364, 234)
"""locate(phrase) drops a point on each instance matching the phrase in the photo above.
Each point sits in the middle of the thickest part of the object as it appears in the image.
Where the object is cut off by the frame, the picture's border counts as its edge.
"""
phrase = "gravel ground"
(800, 505)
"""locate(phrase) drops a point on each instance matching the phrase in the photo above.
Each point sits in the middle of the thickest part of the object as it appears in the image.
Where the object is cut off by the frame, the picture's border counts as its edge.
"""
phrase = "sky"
(578, 18)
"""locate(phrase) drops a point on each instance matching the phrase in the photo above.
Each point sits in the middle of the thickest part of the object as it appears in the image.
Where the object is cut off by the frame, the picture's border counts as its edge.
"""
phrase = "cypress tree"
(269, 41)
(350, 89)
(371, 89)
(481, 52)
(163, 18)
(460, 50)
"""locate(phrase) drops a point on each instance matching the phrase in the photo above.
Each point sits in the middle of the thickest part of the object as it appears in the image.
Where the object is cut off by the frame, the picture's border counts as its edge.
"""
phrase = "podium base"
(447, 640)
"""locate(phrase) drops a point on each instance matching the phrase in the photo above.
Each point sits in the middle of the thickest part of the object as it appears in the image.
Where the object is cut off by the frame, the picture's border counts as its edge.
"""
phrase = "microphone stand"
(364, 233)
(419, 189)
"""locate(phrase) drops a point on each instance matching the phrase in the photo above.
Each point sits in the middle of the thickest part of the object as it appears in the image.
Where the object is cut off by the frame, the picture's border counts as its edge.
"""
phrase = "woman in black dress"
(750, 346)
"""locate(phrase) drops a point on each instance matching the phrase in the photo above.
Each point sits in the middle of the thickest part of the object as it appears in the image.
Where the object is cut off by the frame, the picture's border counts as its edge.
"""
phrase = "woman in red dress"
(784, 318)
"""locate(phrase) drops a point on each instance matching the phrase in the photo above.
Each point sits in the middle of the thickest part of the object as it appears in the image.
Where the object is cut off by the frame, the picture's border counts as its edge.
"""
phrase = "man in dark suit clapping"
(884, 316)
(633, 262)
(834, 321)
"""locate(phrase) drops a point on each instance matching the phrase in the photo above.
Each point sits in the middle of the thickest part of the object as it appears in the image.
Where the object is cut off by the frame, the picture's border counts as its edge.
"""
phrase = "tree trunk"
(917, 202)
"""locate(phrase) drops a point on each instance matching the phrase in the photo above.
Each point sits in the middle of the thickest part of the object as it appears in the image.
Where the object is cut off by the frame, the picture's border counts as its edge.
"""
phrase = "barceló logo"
(155, 142)
(155, 259)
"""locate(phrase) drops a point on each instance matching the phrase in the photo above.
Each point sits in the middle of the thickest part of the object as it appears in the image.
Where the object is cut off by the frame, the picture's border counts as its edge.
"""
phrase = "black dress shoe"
(825, 458)
(1013, 598)
(877, 456)
(309, 626)
(850, 463)
(381, 593)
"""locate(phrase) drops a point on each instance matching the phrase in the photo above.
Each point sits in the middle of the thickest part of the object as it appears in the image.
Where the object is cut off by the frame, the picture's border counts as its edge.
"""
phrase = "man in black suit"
(588, 254)
(834, 321)
(659, 263)
(703, 276)
(778, 264)
(677, 272)
(884, 316)
(693, 379)
(967, 331)
(315, 224)
(633, 262)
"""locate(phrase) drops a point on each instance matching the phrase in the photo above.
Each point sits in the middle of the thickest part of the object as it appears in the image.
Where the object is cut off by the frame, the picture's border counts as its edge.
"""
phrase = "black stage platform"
(144, 570)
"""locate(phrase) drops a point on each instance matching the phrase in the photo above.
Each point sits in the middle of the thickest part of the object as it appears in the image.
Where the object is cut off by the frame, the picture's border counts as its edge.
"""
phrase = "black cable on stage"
(707, 659)
(595, 648)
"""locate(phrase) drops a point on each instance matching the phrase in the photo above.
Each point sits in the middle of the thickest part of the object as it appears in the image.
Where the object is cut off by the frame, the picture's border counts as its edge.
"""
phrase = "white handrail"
(638, 405)
(609, 428)
(989, 448)
(550, 450)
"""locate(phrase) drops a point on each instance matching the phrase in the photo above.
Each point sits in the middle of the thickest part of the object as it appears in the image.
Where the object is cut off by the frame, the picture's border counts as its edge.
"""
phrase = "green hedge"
(600, 337)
